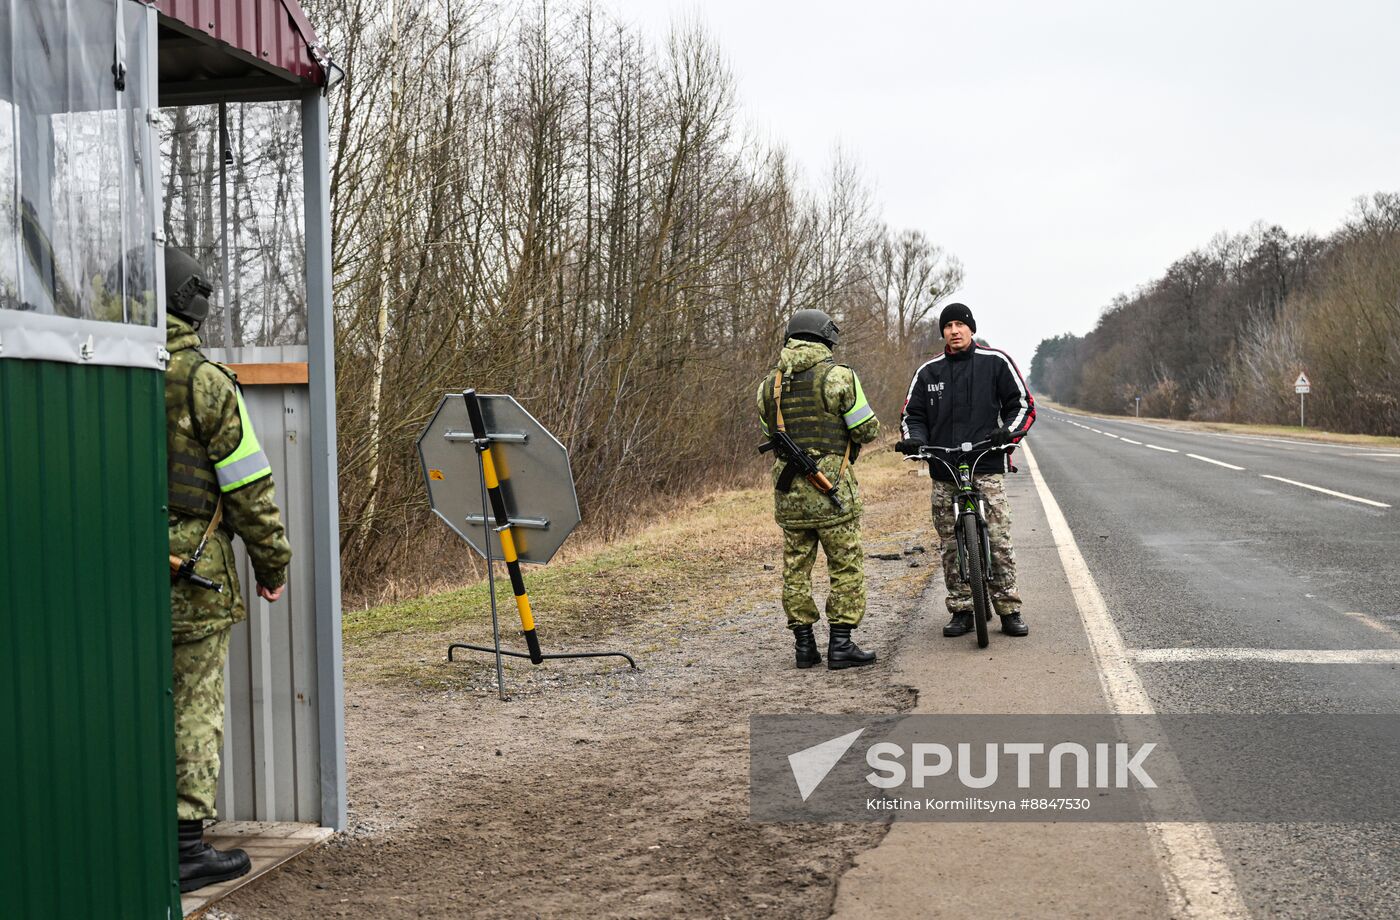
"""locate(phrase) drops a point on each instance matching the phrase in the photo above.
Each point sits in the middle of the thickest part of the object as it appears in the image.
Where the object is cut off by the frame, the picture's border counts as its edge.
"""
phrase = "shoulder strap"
(778, 397)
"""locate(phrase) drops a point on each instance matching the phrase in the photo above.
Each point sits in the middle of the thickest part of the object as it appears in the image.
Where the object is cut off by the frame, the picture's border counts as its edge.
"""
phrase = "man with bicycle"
(965, 395)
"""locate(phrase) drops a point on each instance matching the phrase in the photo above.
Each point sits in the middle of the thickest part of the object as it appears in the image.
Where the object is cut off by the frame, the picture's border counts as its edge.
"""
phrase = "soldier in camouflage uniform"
(823, 410)
(968, 394)
(220, 485)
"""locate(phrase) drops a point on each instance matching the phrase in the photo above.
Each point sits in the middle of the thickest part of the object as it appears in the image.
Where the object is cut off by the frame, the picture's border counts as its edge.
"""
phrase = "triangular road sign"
(1302, 380)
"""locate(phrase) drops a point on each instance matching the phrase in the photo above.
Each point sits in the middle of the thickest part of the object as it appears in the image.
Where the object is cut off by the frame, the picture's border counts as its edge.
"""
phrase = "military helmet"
(187, 286)
(813, 324)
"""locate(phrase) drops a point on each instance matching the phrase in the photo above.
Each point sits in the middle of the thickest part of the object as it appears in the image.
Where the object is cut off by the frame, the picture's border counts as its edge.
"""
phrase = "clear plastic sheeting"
(78, 256)
(9, 171)
(234, 201)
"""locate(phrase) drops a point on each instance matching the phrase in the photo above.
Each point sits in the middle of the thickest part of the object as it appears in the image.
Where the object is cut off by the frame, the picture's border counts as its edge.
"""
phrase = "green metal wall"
(87, 792)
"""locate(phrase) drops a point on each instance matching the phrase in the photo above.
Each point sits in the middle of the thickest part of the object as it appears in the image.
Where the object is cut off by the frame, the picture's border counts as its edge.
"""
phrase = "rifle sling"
(190, 563)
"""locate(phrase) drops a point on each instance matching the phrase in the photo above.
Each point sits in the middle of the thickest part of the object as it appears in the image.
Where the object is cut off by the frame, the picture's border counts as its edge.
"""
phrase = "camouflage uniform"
(1002, 583)
(212, 453)
(807, 517)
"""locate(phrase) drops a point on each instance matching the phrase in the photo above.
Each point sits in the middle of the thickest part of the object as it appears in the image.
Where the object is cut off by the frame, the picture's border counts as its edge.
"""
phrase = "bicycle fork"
(962, 507)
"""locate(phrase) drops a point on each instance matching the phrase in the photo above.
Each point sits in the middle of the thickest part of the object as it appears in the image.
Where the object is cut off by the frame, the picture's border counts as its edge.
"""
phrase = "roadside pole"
(1302, 386)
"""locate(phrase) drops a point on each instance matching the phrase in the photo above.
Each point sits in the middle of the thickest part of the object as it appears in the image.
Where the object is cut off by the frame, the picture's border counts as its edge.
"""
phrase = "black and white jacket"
(962, 397)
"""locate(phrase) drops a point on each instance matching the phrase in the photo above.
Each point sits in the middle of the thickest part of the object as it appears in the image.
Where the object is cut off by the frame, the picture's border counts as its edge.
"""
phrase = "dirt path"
(598, 791)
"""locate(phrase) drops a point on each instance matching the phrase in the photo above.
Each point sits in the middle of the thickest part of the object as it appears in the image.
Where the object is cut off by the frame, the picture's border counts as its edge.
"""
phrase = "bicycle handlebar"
(927, 452)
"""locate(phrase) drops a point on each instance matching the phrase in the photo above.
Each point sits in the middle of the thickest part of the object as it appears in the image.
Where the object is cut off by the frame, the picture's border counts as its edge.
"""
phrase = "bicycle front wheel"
(977, 578)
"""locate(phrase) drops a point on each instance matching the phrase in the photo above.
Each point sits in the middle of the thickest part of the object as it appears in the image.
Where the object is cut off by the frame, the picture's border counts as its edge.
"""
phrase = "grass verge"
(702, 557)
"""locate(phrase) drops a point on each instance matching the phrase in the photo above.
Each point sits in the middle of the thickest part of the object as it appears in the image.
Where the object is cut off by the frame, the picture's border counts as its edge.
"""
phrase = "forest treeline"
(1225, 331)
(544, 203)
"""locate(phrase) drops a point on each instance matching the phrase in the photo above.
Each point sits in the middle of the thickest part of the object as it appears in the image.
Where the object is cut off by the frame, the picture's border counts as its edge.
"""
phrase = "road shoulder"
(945, 869)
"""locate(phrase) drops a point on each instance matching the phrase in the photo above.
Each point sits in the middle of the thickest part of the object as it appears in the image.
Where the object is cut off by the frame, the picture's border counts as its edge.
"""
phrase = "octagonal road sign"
(532, 465)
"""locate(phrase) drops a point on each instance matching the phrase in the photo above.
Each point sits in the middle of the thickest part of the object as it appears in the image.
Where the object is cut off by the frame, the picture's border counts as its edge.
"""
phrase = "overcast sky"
(1070, 151)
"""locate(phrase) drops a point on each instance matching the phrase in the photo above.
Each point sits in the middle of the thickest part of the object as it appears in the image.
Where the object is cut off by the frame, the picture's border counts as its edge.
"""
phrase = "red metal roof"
(275, 33)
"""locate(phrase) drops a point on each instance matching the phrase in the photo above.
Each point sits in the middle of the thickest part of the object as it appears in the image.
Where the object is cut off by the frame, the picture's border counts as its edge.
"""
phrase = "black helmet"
(813, 324)
(187, 286)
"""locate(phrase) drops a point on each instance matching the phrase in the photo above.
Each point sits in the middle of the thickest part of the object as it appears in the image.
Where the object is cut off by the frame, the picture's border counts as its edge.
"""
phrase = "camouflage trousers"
(845, 564)
(199, 723)
(1002, 583)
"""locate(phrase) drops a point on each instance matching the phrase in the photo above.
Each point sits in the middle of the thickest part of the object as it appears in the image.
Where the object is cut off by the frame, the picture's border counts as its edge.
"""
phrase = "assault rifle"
(180, 570)
(799, 461)
(183, 569)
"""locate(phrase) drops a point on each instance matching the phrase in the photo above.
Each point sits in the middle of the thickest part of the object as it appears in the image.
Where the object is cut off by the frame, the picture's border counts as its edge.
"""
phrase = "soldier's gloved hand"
(909, 447)
(1000, 438)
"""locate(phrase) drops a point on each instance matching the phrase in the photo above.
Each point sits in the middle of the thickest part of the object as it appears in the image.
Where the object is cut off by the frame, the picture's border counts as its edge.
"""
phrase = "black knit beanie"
(956, 311)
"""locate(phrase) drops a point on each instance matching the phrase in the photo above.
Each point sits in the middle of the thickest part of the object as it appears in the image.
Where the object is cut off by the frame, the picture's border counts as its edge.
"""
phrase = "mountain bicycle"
(975, 568)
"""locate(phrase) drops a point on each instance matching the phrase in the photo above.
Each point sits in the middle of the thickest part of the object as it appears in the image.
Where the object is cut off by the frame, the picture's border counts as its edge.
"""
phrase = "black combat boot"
(806, 645)
(201, 864)
(959, 625)
(841, 652)
(1013, 625)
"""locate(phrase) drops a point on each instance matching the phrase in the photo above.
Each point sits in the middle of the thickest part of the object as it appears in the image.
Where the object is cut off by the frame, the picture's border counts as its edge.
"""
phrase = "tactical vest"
(194, 487)
(805, 416)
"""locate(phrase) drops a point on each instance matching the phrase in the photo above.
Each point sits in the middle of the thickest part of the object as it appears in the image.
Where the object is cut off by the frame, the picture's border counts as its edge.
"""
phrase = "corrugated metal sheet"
(275, 32)
(272, 755)
(86, 749)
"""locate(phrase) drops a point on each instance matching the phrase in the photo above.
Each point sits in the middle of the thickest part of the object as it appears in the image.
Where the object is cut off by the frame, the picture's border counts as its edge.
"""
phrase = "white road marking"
(1228, 466)
(1353, 498)
(1295, 443)
(1130, 441)
(1372, 622)
(1272, 655)
(1286, 443)
(1168, 450)
(1109, 433)
(1194, 871)
(1095, 431)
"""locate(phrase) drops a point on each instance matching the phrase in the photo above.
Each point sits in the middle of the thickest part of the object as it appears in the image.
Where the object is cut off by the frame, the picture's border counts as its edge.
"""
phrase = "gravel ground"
(597, 790)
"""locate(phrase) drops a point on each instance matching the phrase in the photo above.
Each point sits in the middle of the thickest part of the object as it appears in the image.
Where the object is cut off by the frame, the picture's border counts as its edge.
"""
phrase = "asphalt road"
(1238, 586)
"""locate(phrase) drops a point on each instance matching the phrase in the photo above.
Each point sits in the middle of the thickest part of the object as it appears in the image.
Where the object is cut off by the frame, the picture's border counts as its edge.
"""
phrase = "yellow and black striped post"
(503, 528)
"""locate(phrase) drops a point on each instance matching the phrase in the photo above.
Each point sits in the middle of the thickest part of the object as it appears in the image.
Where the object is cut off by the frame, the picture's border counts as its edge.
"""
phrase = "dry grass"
(704, 556)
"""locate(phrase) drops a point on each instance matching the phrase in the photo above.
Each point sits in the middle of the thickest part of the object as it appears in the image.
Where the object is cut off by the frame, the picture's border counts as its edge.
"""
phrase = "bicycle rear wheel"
(977, 578)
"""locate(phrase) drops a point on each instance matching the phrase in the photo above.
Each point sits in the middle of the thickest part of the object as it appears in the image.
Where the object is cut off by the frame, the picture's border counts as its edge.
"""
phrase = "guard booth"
(106, 107)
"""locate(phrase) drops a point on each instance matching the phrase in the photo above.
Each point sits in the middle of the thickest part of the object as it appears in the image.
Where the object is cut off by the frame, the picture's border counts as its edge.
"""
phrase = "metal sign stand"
(1302, 386)
(493, 507)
